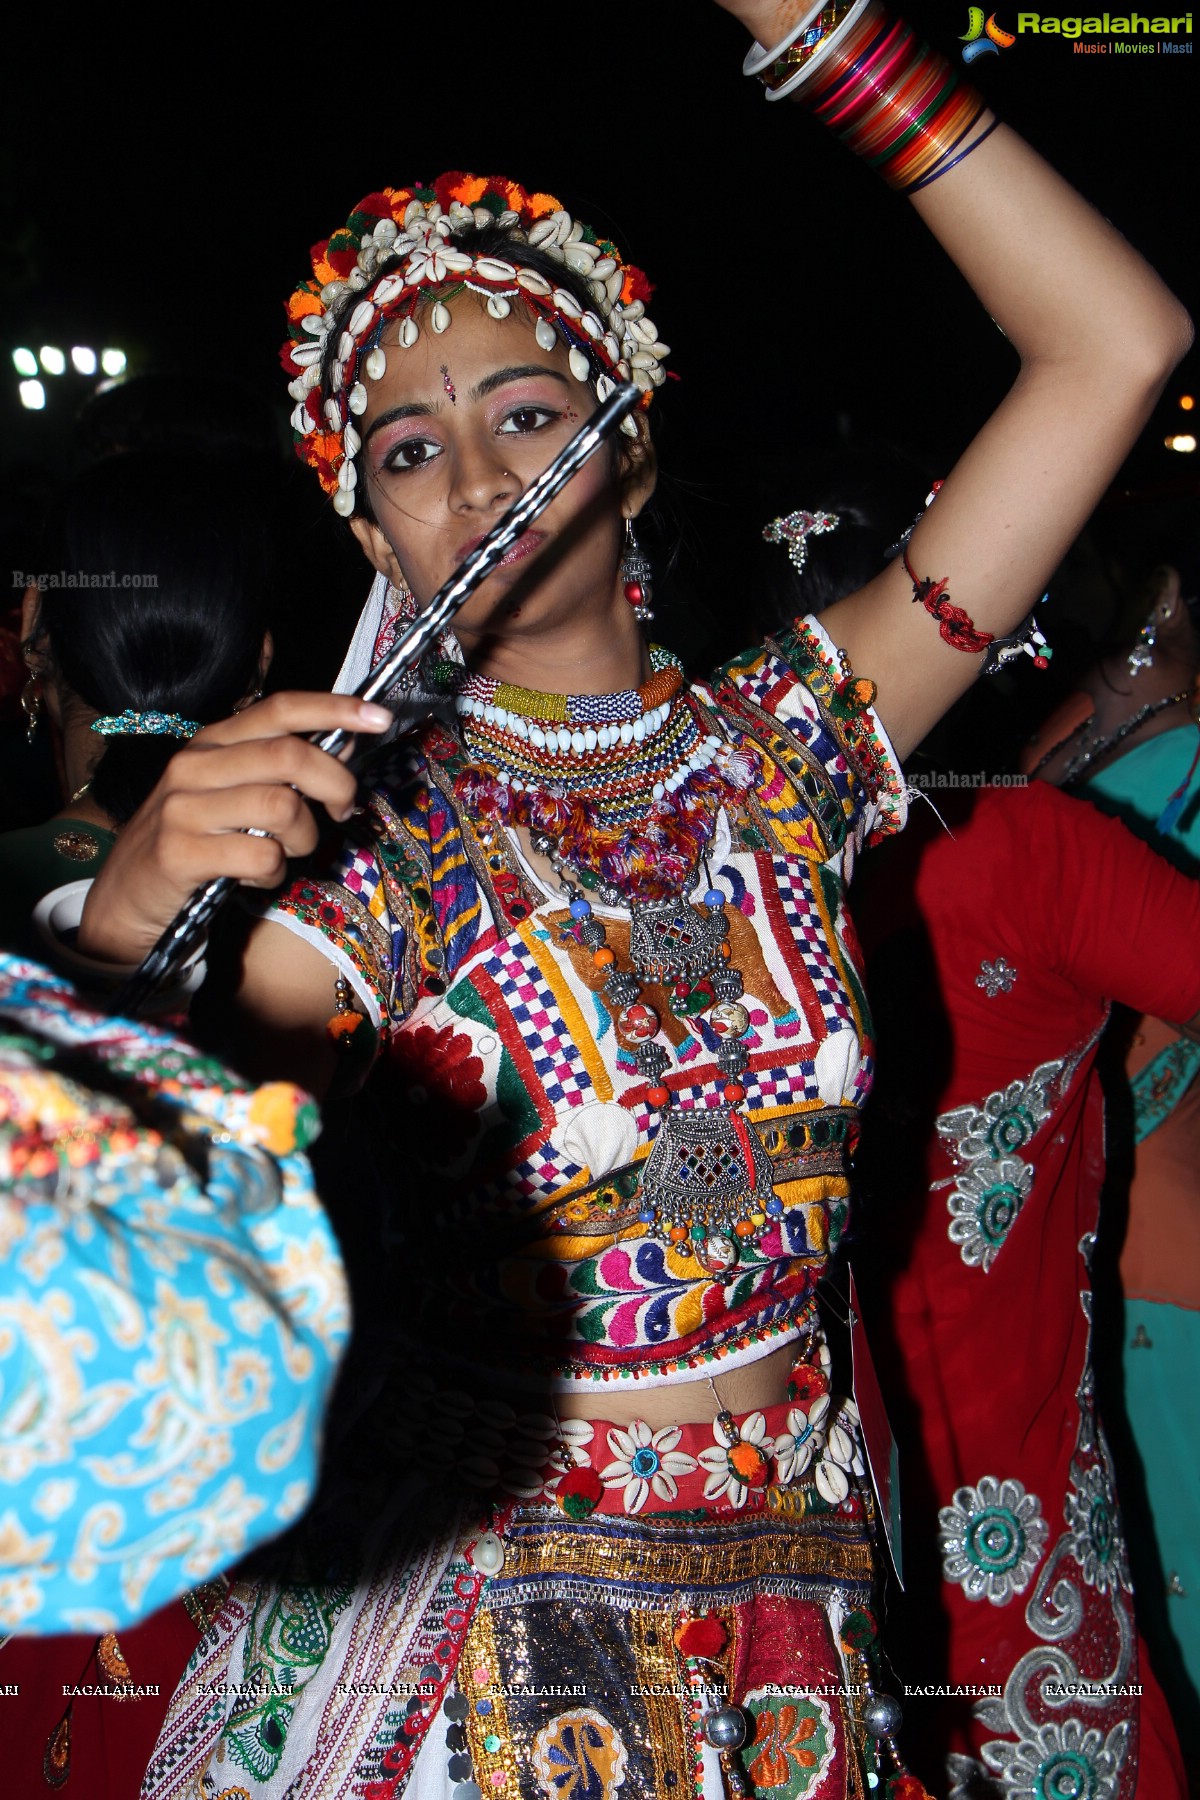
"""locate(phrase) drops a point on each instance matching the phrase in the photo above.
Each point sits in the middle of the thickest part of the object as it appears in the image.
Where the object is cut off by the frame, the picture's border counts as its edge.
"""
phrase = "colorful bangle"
(760, 61)
(784, 72)
(955, 626)
(944, 168)
(896, 103)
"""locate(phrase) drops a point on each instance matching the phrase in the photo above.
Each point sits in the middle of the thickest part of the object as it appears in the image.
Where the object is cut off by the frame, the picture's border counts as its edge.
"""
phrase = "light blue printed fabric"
(172, 1311)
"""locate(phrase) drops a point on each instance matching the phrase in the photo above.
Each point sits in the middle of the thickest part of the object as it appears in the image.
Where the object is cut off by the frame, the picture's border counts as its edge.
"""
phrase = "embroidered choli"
(518, 1121)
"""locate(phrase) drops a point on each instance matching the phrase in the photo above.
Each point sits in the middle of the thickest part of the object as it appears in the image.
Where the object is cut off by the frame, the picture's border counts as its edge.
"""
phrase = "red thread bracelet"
(956, 627)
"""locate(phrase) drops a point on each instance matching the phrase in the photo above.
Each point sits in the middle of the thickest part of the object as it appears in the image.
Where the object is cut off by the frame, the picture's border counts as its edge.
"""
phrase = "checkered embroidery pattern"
(359, 873)
(537, 1016)
(759, 681)
(781, 1086)
(544, 1174)
(805, 924)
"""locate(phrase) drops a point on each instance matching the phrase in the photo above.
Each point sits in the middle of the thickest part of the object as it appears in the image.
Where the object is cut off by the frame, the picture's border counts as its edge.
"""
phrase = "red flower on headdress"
(636, 285)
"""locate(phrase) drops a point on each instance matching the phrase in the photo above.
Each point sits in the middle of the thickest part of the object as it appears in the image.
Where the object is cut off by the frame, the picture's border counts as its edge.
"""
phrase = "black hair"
(169, 410)
(154, 584)
(492, 240)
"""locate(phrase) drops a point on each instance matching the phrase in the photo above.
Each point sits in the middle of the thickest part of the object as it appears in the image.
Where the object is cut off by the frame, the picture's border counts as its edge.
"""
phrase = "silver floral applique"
(991, 1539)
(996, 977)
(1006, 1121)
(1094, 1522)
(1061, 1757)
(993, 1182)
(984, 1205)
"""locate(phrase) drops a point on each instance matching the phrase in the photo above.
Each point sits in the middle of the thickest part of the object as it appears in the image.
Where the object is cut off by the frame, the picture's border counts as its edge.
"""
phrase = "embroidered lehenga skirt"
(575, 1678)
(690, 1648)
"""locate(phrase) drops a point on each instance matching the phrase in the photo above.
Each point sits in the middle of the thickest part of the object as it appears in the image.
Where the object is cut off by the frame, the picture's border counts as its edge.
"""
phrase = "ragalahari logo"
(983, 37)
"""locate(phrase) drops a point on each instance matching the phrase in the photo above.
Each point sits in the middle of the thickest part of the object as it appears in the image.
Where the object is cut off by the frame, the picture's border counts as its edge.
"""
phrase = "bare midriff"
(748, 1389)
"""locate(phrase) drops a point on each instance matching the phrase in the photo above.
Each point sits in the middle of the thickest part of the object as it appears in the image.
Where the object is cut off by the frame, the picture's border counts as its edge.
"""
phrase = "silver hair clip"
(795, 530)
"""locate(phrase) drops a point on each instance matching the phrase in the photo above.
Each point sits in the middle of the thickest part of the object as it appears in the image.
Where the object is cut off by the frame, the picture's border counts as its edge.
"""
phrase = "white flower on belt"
(739, 1460)
(645, 1462)
(796, 1447)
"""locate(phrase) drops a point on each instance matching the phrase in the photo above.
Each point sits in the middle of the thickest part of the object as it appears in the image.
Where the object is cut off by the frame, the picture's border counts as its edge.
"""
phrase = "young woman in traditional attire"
(594, 920)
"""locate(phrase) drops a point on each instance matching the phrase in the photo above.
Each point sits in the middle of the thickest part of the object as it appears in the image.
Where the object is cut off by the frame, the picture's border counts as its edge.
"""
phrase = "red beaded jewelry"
(955, 626)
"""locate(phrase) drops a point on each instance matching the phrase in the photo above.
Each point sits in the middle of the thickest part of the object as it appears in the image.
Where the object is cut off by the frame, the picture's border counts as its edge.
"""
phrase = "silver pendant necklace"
(706, 1187)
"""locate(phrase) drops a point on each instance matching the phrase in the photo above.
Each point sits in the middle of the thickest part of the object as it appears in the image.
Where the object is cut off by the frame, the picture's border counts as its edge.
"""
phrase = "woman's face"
(457, 427)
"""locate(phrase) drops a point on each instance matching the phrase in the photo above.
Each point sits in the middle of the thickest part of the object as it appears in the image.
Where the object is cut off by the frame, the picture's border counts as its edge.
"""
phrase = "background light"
(25, 362)
(112, 362)
(84, 360)
(1182, 440)
(53, 361)
(1186, 402)
(33, 395)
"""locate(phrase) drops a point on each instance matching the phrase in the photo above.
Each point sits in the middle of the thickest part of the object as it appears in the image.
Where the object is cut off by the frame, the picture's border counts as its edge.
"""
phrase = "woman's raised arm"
(1097, 334)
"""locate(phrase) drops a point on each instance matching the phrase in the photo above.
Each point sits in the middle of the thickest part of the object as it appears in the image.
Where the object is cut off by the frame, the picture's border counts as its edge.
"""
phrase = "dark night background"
(161, 196)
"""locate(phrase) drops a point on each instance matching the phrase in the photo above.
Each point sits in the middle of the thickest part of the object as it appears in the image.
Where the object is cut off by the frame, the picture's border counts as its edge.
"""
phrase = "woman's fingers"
(296, 714)
(234, 802)
(289, 762)
(199, 823)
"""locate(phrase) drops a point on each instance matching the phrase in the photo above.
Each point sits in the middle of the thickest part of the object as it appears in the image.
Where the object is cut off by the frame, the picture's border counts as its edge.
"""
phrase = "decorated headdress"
(396, 247)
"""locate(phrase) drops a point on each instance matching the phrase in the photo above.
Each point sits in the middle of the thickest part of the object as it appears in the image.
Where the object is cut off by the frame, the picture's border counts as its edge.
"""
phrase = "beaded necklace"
(621, 793)
(628, 785)
(1090, 752)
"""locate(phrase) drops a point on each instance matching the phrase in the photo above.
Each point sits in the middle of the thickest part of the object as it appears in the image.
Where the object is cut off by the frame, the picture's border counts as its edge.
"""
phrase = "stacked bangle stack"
(781, 70)
(893, 100)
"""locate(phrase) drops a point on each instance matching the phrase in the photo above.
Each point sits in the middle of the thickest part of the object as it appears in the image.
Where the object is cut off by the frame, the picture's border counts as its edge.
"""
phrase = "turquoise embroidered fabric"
(172, 1311)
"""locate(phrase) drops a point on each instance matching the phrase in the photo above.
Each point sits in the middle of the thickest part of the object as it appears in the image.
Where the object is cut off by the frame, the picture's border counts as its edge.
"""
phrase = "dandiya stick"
(184, 932)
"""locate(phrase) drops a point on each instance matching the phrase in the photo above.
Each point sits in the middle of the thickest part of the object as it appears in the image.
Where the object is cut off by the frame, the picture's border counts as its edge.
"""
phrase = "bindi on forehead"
(448, 385)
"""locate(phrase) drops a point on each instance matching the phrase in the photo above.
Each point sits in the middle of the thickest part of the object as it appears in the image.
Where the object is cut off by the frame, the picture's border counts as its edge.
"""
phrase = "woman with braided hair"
(592, 927)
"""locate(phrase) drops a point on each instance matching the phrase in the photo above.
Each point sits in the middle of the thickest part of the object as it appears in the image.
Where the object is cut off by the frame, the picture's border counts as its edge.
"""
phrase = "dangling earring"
(1142, 654)
(635, 575)
(31, 706)
(31, 693)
